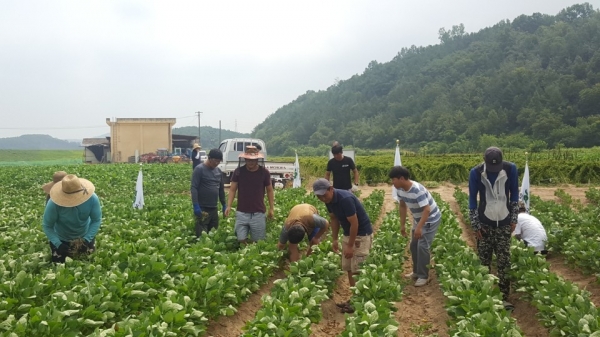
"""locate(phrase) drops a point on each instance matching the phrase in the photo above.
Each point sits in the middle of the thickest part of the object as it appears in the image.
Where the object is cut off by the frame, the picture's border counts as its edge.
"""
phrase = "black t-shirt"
(341, 172)
(345, 204)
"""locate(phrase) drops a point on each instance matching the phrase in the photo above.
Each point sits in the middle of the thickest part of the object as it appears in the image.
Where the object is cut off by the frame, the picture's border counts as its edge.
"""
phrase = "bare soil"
(421, 311)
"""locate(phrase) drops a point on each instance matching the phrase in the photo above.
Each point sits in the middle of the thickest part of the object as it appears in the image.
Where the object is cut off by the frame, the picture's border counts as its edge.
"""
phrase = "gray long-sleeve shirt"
(207, 186)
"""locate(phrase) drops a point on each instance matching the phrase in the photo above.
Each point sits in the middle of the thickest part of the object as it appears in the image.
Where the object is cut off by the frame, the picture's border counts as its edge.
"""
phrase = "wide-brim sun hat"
(72, 191)
(197, 146)
(252, 153)
(56, 177)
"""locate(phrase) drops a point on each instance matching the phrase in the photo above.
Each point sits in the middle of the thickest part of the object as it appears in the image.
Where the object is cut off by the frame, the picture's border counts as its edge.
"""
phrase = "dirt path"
(333, 321)
(227, 326)
(524, 312)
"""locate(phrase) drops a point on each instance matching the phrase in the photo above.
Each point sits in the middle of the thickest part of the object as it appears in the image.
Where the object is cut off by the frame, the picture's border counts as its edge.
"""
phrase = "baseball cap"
(321, 186)
(493, 159)
(215, 154)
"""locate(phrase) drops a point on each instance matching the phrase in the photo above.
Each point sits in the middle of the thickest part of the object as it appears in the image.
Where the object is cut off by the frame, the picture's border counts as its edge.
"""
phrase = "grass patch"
(40, 157)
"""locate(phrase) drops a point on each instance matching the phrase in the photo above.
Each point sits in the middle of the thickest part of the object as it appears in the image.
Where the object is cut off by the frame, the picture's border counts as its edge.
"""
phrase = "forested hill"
(530, 83)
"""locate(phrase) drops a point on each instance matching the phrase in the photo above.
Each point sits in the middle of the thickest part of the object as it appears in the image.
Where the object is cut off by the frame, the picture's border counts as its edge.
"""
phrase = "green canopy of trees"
(532, 83)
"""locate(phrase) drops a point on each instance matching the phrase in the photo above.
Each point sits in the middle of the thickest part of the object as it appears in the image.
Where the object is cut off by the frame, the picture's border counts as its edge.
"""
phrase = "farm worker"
(530, 230)
(196, 155)
(250, 182)
(494, 217)
(56, 177)
(72, 218)
(342, 166)
(303, 220)
(346, 210)
(426, 220)
(207, 186)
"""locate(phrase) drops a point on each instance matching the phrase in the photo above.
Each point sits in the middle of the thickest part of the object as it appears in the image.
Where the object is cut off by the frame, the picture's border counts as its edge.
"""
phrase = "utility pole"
(219, 132)
(199, 139)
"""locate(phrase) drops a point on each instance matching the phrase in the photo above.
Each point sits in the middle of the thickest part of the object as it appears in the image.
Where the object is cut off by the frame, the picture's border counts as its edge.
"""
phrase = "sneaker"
(421, 282)
(412, 276)
(508, 306)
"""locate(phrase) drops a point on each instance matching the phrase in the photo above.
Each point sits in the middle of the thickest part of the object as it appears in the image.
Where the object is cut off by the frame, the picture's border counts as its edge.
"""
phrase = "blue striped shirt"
(416, 199)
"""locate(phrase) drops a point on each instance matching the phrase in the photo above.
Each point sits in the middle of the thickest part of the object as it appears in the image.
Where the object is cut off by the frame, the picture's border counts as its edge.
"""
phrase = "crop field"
(150, 276)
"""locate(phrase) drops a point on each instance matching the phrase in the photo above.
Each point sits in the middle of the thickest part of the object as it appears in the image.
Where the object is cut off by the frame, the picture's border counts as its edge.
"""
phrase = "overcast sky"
(66, 66)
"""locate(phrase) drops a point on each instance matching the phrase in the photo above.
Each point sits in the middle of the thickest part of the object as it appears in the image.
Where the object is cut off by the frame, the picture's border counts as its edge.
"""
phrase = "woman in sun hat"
(56, 177)
(72, 218)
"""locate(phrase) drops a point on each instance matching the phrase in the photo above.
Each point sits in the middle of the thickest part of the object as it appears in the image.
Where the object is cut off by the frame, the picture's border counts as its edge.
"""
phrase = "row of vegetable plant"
(379, 284)
(474, 301)
(294, 302)
(562, 307)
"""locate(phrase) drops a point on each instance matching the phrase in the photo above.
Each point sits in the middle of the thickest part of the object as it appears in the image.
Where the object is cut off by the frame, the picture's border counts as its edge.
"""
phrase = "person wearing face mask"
(207, 189)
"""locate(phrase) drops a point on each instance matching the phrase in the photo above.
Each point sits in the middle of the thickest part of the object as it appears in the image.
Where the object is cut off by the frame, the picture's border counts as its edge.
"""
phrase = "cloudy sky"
(66, 66)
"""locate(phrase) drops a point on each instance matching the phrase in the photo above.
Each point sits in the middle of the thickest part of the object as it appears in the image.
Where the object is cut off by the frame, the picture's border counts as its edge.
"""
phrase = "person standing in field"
(196, 160)
(426, 220)
(346, 211)
(531, 231)
(250, 182)
(56, 177)
(342, 167)
(72, 218)
(303, 220)
(207, 189)
(494, 216)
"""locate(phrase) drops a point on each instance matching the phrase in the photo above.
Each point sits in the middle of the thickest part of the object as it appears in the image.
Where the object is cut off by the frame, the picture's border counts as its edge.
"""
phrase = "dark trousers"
(208, 221)
(71, 249)
(496, 240)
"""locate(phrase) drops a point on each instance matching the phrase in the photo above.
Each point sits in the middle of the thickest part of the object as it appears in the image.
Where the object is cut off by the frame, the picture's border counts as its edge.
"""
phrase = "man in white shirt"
(530, 230)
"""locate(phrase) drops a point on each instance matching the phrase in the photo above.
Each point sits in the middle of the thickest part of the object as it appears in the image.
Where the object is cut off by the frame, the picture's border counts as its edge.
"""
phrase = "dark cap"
(215, 154)
(493, 159)
(321, 186)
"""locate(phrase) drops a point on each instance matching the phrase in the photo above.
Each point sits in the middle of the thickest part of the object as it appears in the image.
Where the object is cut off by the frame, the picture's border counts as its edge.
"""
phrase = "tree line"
(533, 83)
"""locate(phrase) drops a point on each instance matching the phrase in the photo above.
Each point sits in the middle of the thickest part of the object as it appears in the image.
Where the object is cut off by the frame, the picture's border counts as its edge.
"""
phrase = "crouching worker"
(530, 230)
(303, 220)
(72, 218)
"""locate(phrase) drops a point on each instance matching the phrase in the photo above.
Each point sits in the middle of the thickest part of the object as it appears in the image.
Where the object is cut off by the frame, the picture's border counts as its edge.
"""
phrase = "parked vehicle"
(282, 174)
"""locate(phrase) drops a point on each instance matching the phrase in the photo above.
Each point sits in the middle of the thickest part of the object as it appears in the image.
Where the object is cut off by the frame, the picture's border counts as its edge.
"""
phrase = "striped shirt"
(416, 199)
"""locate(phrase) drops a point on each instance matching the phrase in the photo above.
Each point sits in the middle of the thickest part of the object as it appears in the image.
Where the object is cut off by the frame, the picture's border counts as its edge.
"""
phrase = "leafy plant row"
(575, 234)
(379, 284)
(146, 277)
(293, 304)
(562, 306)
(474, 301)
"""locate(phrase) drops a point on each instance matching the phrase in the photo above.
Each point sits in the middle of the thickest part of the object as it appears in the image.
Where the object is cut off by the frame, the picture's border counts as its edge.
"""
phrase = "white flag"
(397, 162)
(139, 192)
(297, 182)
(525, 192)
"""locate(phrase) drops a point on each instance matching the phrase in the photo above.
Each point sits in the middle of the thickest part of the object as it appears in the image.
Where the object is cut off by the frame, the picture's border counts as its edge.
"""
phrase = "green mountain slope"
(37, 142)
(530, 83)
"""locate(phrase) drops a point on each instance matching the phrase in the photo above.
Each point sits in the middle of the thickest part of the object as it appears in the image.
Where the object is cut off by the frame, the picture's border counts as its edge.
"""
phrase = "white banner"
(525, 195)
(297, 182)
(397, 162)
(139, 192)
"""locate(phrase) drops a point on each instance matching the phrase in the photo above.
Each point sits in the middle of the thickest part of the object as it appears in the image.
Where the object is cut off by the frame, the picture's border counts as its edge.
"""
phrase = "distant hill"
(210, 135)
(532, 83)
(37, 142)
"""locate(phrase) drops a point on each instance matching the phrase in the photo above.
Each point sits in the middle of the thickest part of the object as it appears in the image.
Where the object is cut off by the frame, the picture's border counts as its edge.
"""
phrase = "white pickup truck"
(281, 173)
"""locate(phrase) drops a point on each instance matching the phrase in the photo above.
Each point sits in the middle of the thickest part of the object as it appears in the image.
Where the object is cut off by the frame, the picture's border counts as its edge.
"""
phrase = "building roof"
(95, 141)
(183, 137)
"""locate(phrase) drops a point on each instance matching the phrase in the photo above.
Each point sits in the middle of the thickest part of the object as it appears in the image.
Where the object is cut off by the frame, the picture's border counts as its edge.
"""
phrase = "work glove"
(224, 208)
(197, 210)
(354, 188)
(63, 249)
(89, 246)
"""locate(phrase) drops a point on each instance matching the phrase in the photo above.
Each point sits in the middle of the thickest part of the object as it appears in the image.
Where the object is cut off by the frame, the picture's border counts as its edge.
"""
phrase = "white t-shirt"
(532, 231)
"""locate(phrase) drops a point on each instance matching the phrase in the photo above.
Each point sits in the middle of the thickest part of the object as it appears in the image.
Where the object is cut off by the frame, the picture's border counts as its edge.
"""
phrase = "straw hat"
(56, 177)
(71, 191)
(197, 146)
(251, 153)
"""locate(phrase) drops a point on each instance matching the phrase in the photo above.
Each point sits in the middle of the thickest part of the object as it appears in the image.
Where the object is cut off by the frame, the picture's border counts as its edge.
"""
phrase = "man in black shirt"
(341, 166)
